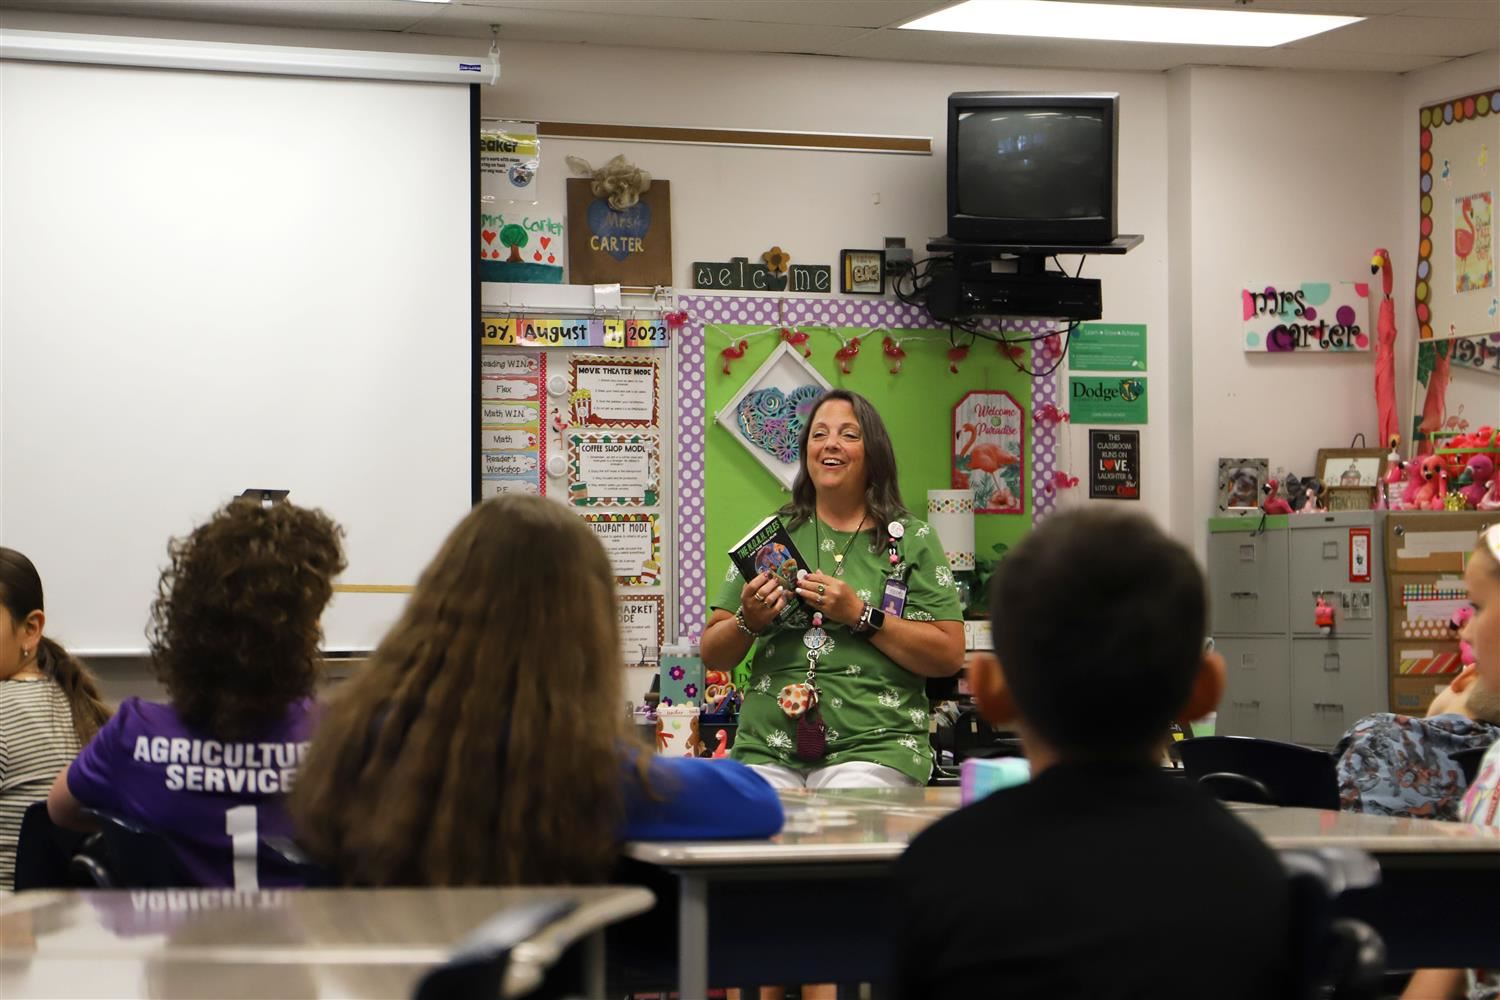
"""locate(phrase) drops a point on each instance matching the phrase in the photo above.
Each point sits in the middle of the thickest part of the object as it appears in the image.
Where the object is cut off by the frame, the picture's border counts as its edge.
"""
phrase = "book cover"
(769, 549)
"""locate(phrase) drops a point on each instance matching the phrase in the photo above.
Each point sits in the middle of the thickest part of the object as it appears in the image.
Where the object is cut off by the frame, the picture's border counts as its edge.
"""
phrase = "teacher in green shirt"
(837, 695)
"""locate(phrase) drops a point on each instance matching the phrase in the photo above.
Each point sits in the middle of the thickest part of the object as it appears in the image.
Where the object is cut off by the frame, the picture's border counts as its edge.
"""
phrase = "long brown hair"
(234, 628)
(484, 742)
(21, 594)
(882, 491)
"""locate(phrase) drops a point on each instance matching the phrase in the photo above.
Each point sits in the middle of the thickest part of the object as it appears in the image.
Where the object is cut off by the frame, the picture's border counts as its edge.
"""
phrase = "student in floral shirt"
(847, 520)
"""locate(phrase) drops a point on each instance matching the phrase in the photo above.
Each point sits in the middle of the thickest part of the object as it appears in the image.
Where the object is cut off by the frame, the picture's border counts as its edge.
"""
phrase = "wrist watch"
(871, 619)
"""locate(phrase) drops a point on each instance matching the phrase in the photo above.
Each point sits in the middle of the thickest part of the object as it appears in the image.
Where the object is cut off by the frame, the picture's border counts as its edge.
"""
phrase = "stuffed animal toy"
(1491, 499)
(1424, 482)
(620, 182)
(1474, 482)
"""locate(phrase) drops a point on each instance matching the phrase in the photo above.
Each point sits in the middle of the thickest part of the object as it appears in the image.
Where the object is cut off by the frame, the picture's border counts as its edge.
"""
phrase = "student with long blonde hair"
(49, 706)
(486, 742)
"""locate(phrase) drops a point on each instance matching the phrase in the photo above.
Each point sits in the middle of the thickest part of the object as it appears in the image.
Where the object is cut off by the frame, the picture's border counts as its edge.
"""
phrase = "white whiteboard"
(215, 282)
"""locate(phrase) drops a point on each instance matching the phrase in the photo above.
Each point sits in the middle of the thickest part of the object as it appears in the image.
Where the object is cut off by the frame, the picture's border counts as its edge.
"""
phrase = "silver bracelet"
(739, 623)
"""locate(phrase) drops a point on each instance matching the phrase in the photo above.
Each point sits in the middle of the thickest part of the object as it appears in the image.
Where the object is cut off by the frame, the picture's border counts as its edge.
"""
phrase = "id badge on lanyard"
(893, 597)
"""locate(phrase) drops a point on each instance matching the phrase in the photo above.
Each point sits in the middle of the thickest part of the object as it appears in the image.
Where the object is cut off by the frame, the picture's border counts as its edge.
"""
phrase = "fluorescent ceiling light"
(1128, 23)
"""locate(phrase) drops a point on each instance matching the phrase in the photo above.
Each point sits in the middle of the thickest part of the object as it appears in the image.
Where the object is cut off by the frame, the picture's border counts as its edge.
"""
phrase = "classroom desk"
(293, 943)
(845, 840)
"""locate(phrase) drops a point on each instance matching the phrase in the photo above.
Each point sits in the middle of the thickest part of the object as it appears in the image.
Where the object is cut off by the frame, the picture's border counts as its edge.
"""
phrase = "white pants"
(854, 774)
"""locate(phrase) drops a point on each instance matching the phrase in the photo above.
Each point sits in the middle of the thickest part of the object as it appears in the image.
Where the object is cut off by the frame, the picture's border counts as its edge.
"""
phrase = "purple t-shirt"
(213, 800)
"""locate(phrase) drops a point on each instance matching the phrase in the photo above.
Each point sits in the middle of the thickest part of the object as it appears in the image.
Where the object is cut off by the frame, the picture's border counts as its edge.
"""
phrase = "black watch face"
(877, 618)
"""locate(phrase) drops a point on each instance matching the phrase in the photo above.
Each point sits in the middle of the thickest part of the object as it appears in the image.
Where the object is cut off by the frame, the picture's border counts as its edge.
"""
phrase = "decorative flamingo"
(1491, 499)
(1274, 503)
(847, 354)
(797, 338)
(1385, 352)
(894, 352)
(1475, 479)
(1435, 403)
(1463, 242)
(722, 750)
(956, 355)
(1428, 484)
(676, 320)
(733, 353)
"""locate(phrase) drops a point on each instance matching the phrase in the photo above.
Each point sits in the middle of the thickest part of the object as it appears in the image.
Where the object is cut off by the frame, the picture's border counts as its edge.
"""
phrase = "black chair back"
(43, 851)
(137, 858)
(1469, 760)
(477, 967)
(1290, 775)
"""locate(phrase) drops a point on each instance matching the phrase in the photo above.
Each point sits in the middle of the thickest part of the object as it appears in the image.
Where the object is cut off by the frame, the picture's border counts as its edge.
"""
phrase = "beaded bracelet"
(739, 623)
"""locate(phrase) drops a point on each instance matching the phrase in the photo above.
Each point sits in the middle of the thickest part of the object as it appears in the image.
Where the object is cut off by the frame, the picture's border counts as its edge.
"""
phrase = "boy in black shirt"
(1103, 877)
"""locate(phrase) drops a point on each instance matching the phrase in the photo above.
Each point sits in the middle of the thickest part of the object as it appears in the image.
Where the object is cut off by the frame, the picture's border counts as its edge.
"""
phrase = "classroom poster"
(633, 543)
(1114, 465)
(522, 243)
(509, 158)
(1107, 400)
(615, 392)
(1473, 241)
(613, 470)
(512, 447)
(1108, 347)
(642, 630)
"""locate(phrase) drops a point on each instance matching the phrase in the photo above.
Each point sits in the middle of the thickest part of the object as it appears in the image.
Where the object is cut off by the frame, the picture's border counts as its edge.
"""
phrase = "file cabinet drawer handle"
(1330, 663)
(1250, 594)
(1247, 704)
(1327, 706)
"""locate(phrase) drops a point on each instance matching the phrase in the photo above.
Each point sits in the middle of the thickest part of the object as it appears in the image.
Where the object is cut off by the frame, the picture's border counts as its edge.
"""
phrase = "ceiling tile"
(1431, 36)
(1476, 10)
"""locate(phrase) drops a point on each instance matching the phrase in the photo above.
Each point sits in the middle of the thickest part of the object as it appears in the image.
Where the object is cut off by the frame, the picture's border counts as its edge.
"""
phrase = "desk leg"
(692, 938)
(593, 965)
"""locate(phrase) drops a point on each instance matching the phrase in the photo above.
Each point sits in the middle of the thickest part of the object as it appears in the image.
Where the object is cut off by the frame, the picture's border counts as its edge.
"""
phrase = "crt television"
(1032, 168)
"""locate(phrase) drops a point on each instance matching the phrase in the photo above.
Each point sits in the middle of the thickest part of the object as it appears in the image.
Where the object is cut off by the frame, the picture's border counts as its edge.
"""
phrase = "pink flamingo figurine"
(1435, 403)
(722, 750)
(894, 353)
(1385, 352)
(846, 355)
(733, 353)
(1491, 499)
(1274, 503)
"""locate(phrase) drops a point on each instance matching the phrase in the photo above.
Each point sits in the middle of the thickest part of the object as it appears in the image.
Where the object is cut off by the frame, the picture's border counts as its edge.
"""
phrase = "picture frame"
(1346, 471)
(765, 415)
(1239, 485)
(862, 272)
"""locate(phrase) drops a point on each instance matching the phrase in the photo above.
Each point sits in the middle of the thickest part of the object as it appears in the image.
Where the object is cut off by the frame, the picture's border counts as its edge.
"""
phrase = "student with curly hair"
(234, 638)
(49, 706)
(486, 740)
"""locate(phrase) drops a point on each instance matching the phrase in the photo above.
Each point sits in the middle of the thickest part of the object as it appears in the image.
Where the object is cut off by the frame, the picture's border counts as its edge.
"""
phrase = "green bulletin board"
(916, 405)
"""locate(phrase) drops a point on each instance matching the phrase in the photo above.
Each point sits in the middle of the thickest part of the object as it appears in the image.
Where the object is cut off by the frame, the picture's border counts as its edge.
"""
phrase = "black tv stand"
(1041, 251)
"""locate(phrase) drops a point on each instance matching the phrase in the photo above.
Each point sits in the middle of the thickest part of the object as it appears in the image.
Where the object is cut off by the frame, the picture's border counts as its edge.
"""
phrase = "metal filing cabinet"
(1247, 572)
(1287, 680)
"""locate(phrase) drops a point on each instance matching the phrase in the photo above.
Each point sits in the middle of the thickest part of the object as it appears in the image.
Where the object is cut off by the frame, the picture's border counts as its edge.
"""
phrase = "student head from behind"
(1098, 621)
(235, 626)
(26, 652)
(483, 740)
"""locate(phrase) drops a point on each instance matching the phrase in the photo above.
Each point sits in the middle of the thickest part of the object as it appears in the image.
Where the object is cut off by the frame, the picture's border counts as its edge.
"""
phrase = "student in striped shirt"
(49, 706)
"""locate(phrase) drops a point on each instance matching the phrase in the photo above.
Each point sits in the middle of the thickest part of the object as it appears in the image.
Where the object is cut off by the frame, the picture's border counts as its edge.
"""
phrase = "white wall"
(1294, 177)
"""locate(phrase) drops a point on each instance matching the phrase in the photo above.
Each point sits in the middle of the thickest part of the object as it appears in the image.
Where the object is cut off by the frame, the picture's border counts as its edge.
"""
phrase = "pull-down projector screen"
(215, 282)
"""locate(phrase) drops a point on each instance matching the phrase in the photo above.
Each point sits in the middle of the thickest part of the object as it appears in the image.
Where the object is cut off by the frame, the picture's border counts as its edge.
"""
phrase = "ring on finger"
(821, 589)
(820, 602)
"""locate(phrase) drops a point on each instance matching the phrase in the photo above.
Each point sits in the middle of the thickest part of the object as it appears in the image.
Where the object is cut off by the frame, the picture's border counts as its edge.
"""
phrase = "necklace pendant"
(814, 639)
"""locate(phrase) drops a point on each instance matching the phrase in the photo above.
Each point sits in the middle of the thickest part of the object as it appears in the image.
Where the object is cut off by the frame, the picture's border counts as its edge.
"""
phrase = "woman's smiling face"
(836, 448)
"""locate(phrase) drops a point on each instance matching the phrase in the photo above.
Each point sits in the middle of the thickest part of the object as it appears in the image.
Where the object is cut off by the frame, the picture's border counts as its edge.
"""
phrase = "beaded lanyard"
(812, 734)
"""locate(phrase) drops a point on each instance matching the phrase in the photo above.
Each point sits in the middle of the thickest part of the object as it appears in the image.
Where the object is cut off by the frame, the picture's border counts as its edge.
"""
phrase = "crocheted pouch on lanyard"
(812, 735)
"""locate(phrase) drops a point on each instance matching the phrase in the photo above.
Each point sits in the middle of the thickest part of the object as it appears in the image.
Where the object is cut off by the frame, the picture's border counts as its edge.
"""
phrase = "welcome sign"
(1309, 317)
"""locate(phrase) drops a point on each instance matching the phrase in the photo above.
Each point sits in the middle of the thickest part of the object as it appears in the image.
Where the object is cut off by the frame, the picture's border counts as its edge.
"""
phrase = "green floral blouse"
(875, 710)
